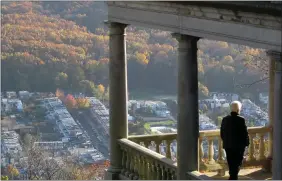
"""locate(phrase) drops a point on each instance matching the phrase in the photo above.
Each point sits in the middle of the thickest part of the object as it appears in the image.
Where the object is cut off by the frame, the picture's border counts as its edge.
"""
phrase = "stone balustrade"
(211, 153)
(140, 163)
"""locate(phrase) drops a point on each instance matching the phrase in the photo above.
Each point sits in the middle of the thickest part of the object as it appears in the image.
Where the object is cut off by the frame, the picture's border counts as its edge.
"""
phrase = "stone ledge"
(204, 12)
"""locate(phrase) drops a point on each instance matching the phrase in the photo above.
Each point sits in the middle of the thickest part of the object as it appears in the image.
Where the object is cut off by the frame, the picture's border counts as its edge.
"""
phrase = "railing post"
(188, 115)
(118, 96)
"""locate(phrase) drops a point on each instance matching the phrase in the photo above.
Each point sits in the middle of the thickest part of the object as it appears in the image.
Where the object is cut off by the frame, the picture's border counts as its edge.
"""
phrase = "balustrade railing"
(211, 153)
(140, 163)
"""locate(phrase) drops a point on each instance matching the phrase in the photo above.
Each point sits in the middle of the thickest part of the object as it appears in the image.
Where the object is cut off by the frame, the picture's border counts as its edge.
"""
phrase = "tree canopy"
(51, 45)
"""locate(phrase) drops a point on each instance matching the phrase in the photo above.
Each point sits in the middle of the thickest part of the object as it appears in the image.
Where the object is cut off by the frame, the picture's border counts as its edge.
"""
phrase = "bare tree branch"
(250, 84)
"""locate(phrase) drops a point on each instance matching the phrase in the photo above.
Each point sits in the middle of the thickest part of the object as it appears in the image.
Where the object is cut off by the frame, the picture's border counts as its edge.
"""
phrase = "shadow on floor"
(246, 174)
(260, 175)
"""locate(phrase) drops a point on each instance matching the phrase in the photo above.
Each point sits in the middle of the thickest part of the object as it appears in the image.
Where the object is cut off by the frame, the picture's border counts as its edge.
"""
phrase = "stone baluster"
(210, 151)
(153, 171)
(128, 163)
(148, 169)
(158, 146)
(147, 143)
(201, 151)
(159, 172)
(220, 151)
(173, 175)
(136, 166)
(168, 150)
(142, 174)
(164, 173)
(131, 175)
(261, 147)
(169, 174)
(251, 148)
(124, 159)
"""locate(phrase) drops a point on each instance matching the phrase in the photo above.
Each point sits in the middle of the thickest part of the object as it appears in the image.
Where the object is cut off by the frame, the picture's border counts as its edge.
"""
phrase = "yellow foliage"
(141, 57)
(12, 170)
(82, 102)
(101, 88)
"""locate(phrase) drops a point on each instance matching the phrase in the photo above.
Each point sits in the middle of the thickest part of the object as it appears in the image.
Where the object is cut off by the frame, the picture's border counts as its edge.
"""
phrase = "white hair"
(236, 106)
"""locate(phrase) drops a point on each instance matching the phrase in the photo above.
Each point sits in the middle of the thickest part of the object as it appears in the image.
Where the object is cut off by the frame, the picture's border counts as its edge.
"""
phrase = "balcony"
(142, 158)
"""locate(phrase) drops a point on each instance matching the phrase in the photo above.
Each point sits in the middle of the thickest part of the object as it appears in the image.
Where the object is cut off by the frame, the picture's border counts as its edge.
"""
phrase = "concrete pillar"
(118, 96)
(277, 121)
(188, 116)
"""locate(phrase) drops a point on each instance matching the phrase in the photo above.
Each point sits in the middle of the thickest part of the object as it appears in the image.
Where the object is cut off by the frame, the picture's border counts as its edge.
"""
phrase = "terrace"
(141, 156)
(189, 22)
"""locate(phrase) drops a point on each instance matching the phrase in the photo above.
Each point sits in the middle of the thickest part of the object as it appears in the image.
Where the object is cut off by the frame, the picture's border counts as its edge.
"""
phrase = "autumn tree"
(13, 171)
(88, 87)
(82, 102)
(37, 164)
(99, 91)
(61, 80)
(60, 94)
(70, 101)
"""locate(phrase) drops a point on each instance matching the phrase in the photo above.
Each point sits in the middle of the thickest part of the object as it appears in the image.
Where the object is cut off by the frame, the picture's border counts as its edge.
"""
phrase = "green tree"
(87, 87)
(61, 80)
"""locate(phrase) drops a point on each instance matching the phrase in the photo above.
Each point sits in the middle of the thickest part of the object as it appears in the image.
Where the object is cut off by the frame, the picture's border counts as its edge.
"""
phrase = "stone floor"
(244, 174)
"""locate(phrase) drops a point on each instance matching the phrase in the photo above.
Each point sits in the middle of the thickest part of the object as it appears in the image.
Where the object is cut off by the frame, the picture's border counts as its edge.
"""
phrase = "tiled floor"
(244, 174)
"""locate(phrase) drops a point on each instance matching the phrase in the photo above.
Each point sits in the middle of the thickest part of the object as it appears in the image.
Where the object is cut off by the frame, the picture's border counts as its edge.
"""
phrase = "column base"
(112, 174)
(267, 165)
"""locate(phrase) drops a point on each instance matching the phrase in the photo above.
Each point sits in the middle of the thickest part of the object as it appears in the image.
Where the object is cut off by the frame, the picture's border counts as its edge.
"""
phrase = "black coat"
(233, 132)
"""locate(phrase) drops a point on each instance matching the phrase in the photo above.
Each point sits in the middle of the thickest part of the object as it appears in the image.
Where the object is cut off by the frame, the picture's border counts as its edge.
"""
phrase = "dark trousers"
(234, 159)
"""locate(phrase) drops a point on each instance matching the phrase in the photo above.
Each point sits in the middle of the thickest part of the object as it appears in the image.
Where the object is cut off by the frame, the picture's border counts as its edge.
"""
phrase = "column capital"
(185, 42)
(116, 28)
(183, 37)
(275, 55)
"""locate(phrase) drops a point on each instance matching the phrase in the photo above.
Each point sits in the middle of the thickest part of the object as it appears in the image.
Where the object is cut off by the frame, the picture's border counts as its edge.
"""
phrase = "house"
(24, 94)
(11, 95)
(228, 96)
(263, 97)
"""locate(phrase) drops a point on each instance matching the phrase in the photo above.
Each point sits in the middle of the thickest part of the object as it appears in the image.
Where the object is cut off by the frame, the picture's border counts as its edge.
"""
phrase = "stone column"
(277, 122)
(118, 96)
(188, 116)
(271, 69)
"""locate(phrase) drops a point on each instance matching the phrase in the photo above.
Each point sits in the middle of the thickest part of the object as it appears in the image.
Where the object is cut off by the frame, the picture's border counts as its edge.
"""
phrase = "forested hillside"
(49, 45)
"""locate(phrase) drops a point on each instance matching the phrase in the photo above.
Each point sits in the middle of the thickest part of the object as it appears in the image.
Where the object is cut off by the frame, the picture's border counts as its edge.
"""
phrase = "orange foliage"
(60, 94)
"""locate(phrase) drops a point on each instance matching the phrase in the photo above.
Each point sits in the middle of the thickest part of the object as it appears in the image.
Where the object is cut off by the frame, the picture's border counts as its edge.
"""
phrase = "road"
(93, 129)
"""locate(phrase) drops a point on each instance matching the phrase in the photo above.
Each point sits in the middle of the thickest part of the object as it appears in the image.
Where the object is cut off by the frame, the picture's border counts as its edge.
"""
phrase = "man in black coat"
(234, 134)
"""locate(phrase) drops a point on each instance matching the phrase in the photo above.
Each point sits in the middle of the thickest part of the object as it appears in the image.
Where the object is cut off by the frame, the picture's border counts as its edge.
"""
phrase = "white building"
(10, 104)
(11, 95)
(263, 97)
(10, 143)
(24, 94)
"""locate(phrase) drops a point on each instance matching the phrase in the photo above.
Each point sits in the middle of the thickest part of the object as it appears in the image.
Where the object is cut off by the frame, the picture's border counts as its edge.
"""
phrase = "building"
(24, 94)
(263, 97)
(10, 105)
(227, 96)
(11, 95)
(50, 145)
(10, 146)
